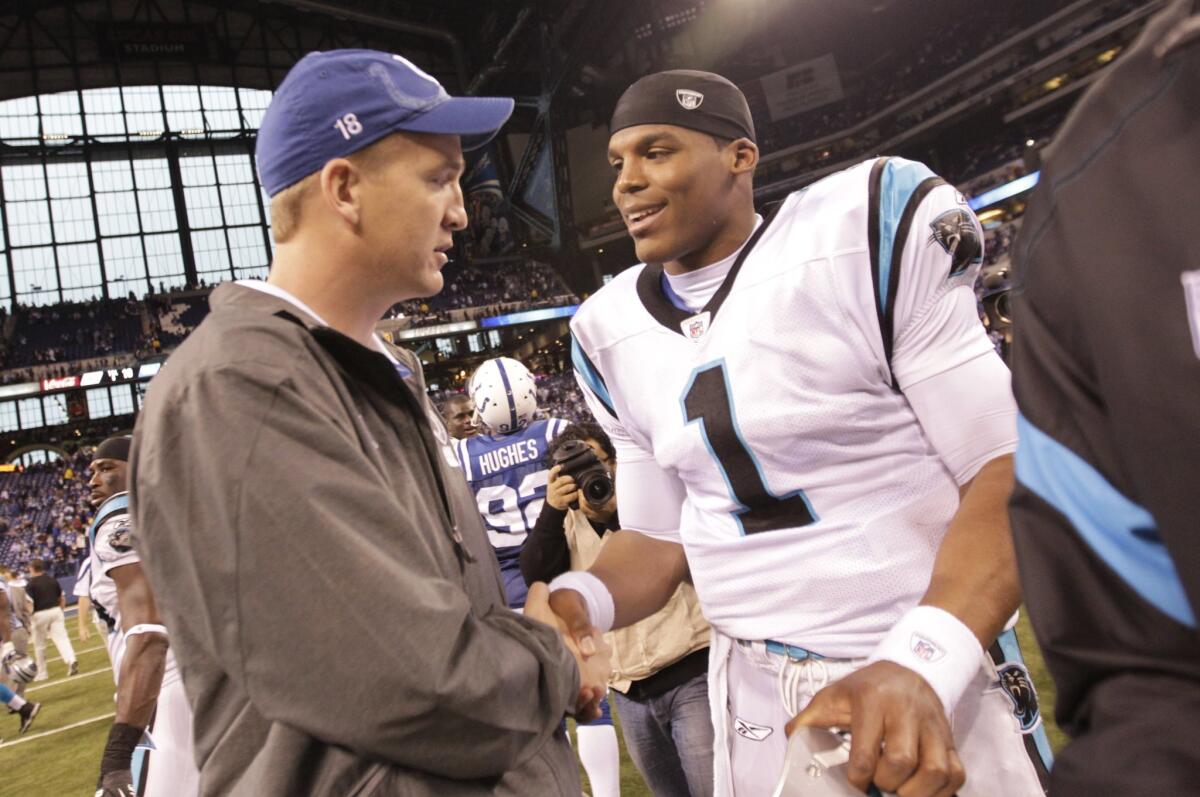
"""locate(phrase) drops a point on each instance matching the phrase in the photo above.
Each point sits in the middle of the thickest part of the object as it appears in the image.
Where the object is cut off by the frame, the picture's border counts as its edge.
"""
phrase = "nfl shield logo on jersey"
(695, 327)
(690, 100)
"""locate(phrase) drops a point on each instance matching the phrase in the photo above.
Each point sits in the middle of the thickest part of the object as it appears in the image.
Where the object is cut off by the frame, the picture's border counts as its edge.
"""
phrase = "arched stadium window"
(38, 456)
(130, 190)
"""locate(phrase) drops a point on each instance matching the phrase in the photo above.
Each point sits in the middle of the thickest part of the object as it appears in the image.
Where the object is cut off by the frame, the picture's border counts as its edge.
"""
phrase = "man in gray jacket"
(333, 601)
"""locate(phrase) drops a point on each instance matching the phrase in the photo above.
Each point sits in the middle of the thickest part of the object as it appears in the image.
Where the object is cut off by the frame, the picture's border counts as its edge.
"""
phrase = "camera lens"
(597, 489)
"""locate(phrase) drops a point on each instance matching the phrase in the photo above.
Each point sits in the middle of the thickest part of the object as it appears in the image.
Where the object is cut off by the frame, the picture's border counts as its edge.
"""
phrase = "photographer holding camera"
(660, 664)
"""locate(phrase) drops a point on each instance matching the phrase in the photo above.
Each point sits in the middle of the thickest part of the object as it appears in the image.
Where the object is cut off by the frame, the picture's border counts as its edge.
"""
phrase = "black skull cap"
(701, 101)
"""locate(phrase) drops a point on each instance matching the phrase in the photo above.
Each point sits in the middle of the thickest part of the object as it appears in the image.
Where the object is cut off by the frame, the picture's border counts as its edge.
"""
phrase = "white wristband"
(937, 646)
(596, 596)
(146, 628)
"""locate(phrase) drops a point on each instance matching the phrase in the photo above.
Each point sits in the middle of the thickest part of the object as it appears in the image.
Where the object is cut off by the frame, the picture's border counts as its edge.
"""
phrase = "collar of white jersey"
(692, 289)
(287, 296)
(652, 287)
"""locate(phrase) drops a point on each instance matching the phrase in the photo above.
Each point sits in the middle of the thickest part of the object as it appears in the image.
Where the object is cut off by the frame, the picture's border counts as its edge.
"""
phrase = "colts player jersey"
(508, 474)
(110, 544)
(813, 502)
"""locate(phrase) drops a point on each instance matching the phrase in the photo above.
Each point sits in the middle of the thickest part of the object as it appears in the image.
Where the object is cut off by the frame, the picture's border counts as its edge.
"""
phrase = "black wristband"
(118, 751)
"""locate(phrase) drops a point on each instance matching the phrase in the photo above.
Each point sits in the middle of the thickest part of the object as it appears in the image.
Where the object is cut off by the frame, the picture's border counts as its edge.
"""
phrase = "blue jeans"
(670, 738)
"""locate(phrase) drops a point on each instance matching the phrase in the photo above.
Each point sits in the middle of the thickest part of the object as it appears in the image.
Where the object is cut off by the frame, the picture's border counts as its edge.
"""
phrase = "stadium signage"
(802, 87)
(60, 383)
(159, 41)
(437, 329)
(529, 316)
(22, 389)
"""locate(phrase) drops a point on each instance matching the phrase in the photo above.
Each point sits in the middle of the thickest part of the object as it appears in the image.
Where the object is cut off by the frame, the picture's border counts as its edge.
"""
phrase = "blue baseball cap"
(337, 102)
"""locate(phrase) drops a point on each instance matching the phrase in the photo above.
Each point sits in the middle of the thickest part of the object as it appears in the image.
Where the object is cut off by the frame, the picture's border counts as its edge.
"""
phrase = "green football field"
(59, 756)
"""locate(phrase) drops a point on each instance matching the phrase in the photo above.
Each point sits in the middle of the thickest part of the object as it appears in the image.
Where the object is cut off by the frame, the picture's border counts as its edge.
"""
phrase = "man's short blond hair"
(287, 205)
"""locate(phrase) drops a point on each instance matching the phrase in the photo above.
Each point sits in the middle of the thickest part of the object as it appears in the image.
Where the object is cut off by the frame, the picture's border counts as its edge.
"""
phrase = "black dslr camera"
(577, 460)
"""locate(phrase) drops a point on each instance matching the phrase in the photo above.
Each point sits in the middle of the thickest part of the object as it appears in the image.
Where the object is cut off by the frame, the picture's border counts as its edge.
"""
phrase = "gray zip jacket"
(333, 602)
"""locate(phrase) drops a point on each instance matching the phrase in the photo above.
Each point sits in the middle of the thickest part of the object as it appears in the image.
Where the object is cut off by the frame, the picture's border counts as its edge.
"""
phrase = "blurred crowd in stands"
(44, 514)
(998, 242)
(107, 333)
(477, 291)
(952, 42)
(71, 331)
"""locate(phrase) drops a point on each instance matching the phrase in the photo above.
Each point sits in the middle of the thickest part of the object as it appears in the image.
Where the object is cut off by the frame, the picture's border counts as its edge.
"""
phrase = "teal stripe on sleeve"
(900, 179)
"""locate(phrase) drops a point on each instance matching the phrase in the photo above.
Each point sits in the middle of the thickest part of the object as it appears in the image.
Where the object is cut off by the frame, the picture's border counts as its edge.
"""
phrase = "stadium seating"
(44, 513)
(73, 331)
(109, 333)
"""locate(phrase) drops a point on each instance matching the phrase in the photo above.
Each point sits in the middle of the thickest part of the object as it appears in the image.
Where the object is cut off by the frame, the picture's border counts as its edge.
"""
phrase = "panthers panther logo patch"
(120, 539)
(1016, 685)
(955, 232)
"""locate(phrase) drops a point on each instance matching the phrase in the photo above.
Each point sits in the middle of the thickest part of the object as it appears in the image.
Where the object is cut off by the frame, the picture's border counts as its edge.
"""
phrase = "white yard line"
(78, 653)
(67, 680)
(81, 723)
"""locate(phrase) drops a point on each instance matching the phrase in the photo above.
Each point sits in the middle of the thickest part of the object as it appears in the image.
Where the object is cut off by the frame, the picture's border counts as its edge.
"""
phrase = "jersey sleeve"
(649, 498)
(113, 545)
(926, 253)
(83, 579)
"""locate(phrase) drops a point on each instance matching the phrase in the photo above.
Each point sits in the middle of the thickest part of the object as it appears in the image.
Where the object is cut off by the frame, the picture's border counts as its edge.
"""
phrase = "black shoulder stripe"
(874, 188)
(718, 298)
(887, 315)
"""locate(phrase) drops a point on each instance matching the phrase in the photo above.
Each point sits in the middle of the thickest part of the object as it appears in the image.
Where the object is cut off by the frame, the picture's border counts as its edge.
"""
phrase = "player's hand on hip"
(900, 739)
(594, 663)
(561, 491)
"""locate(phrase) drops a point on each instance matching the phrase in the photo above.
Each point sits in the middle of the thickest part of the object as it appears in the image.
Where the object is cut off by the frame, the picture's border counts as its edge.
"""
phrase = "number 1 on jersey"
(708, 401)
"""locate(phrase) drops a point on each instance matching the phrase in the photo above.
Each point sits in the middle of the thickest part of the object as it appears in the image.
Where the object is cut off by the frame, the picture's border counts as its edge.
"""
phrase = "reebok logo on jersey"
(748, 730)
(1191, 294)
(925, 649)
(690, 100)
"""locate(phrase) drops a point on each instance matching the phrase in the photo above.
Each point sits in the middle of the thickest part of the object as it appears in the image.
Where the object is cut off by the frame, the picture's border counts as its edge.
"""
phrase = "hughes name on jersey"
(788, 457)
(508, 474)
(110, 545)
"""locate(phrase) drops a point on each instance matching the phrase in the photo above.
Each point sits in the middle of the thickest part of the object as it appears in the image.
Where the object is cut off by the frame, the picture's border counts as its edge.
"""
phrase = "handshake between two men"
(592, 654)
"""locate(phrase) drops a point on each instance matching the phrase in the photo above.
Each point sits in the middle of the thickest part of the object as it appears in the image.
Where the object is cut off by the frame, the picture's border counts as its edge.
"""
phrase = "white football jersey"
(110, 545)
(812, 500)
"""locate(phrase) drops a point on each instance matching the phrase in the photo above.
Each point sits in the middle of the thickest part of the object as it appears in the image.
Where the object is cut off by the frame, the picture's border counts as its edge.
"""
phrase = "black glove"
(116, 784)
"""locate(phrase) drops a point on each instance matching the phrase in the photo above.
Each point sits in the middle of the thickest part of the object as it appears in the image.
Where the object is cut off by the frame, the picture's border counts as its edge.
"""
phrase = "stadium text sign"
(802, 87)
(60, 383)
(153, 41)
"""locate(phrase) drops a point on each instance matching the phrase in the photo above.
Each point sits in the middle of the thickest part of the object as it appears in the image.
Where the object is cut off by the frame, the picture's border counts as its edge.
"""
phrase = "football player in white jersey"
(149, 748)
(812, 426)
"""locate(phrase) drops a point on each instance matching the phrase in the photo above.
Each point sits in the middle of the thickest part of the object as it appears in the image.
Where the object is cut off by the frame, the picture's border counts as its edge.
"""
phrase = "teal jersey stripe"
(1122, 533)
(590, 376)
(899, 181)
